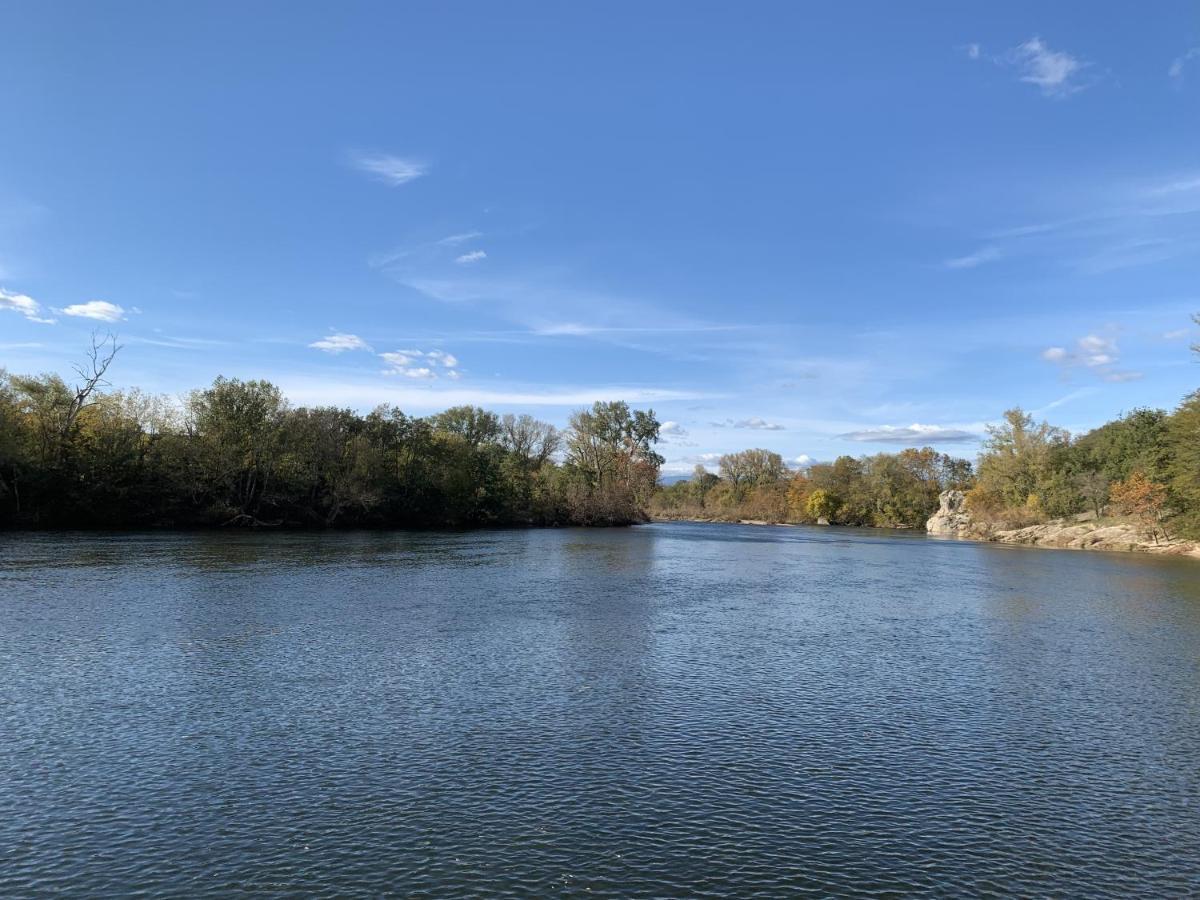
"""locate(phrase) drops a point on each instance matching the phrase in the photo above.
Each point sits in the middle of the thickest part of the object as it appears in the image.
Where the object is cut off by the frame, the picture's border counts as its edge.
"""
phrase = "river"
(675, 709)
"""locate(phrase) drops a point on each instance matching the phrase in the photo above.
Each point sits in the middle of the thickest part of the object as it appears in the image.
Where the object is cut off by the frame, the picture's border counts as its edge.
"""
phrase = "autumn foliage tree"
(1138, 496)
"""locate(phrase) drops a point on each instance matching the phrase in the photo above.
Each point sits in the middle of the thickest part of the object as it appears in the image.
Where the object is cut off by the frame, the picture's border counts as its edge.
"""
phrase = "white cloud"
(674, 433)
(24, 305)
(803, 460)
(1092, 351)
(101, 310)
(339, 342)
(414, 372)
(974, 51)
(1176, 335)
(392, 170)
(1052, 71)
(757, 423)
(754, 422)
(1097, 351)
(420, 363)
(310, 390)
(1178, 64)
(971, 260)
(452, 239)
(911, 434)
(473, 257)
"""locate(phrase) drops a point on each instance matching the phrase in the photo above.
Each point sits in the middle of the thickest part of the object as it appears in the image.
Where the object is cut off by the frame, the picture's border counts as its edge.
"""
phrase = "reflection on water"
(664, 710)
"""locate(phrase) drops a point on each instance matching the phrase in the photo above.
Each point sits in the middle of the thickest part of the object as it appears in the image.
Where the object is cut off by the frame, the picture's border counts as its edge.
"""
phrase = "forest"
(238, 454)
(1144, 465)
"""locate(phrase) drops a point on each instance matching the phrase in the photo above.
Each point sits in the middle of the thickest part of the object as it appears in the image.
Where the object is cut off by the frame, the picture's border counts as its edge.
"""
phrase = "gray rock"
(952, 517)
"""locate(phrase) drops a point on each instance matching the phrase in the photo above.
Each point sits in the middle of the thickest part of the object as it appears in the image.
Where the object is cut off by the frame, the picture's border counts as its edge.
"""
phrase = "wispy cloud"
(24, 305)
(473, 256)
(1175, 71)
(451, 240)
(423, 364)
(391, 170)
(1054, 72)
(1092, 351)
(1119, 377)
(753, 423)
(1055, 404)
(915, 433)
(179, 343)
(971, 260)
(339, 342)
(364, 394)
(1181, 185)
(101, 310)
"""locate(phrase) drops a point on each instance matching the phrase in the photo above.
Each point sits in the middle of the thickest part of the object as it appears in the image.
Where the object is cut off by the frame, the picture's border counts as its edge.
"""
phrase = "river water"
(666, 710)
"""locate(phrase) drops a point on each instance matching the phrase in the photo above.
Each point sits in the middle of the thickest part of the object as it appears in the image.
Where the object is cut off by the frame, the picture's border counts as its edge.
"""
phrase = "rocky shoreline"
(953, 520)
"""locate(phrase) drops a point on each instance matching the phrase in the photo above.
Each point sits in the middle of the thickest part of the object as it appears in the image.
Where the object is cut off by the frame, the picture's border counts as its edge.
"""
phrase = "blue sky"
(817, 228)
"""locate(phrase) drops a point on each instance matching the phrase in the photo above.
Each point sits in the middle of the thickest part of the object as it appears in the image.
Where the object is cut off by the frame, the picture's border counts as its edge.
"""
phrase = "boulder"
(952, 518)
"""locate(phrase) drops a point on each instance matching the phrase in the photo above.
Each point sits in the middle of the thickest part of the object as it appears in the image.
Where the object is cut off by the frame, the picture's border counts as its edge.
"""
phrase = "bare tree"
(91, 374)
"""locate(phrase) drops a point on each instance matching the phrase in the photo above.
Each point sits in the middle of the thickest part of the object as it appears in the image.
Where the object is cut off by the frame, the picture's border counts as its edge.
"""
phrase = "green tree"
(1183, 438)
(611, 449)
(236, 430)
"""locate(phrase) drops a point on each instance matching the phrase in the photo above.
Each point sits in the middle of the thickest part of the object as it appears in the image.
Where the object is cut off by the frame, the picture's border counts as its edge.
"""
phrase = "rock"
(1067, 535)
(953, 520)
(952, 517)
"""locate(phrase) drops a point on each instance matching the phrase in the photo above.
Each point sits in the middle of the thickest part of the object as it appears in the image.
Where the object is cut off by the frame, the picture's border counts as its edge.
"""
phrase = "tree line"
(238, 453)
(1143, 465)
(886, 490)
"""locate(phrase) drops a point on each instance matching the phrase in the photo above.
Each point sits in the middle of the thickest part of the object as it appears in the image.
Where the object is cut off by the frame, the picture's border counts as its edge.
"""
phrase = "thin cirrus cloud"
(971, 260)
(911, 434)
(312, 390)
(1180, 63)
(340, 342)
(391, 170)
(100, 310)
(451, 240)
(1054, 72)
(473, 256)
(24, 305)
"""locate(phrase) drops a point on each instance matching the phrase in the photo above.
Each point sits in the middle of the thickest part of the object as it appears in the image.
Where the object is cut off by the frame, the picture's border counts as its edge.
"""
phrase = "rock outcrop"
(1097, 536)
(952, 518)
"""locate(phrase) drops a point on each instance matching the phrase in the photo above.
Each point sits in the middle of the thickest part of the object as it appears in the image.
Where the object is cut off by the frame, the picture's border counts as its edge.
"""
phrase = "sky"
(818, 228)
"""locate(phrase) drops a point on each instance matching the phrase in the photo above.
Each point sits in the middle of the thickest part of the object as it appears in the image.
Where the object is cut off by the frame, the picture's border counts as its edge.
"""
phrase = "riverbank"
(1080, 533)
(1107, 535)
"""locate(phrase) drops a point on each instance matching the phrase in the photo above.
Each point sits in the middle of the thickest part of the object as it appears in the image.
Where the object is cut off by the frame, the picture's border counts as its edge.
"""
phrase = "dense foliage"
(238, 453)
(889, 490)
(1143, 466)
